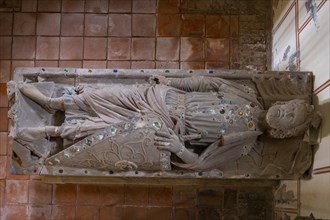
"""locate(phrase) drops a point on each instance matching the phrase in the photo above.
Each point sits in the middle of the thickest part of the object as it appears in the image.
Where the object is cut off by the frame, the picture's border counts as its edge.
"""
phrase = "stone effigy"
(173, 123)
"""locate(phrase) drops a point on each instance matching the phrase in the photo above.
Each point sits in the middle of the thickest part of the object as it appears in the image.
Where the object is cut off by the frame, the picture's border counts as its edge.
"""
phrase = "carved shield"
(121, 147)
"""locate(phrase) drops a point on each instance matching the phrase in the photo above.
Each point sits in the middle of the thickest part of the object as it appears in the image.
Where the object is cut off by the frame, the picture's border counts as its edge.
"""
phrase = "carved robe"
(202, 108)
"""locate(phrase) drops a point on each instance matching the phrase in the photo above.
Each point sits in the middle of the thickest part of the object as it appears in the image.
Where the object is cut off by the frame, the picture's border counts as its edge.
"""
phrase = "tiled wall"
(301, 42)
(188, 34)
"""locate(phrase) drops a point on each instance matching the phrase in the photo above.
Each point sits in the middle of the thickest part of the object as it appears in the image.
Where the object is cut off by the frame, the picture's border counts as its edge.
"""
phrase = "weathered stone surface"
(207, 6)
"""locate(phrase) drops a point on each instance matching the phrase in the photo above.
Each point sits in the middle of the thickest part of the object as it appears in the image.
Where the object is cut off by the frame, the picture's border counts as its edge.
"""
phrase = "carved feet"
(47, 103)
(37, 133)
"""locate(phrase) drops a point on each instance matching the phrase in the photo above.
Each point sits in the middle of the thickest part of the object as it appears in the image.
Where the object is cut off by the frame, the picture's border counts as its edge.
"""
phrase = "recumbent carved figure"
(207, 123)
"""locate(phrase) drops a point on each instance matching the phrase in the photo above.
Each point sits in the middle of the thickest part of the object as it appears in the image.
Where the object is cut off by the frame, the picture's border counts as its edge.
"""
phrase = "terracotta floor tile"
(88, 194)
(3, 165)
(24, 24)
(192, 65)
(234, 26)
(234, 53)
(5, 47)
(143, 65)
(6, 21)
(66, 193)
(169, 25)
(210, 198)
(3, 119)
(118, 64)
(87, 212)
(211, 213)
(192, 25)
(17, 191)
(167, 65)
(46, 63)
(23, 47)
(217, 65)
(70, 64)
(9, 147)
(35, 177)
(168, 49)
(144, 6)
(15, 212)
(120, 6)
(112, 195)
(63, 212)
(217, 26)
(143, 25)
(48, 24)
(71, 48)
(184, 196)
(119, 25)
(136, 213)
(96, 24)
(29, 5)
(143, 49)
(73, 6)
(184, 213)
(49, 5)
(47, 48)
(136, 195)
(161, 213)
(95, 48)
(192, 49)
(160, 196)
(72, 24)
(119, 48)
(3, 95)
(217, 49)
(39, 212)
(230, 199)
(2, 193)
(168, 6)
(3, 143)
(94, 64)
(96, 6)
(4, 71)
(40, 192)
(111, 212)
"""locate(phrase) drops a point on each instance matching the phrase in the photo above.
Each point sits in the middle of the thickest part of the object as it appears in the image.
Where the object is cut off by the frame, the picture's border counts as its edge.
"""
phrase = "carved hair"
(313, 119)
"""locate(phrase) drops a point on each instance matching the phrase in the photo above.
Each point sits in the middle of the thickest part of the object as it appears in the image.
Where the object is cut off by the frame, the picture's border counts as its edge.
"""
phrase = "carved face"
(287, 116)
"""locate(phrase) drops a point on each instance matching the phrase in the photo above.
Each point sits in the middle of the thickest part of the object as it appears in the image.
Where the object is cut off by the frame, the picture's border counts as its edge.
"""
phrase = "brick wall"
(194, 34)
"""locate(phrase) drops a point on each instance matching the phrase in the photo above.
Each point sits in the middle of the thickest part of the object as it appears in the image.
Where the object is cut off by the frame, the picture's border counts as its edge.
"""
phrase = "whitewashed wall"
(301, 42)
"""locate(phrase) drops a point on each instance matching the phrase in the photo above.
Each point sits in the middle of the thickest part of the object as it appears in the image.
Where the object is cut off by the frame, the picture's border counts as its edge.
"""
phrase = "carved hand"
(79, 89)
(168, 141)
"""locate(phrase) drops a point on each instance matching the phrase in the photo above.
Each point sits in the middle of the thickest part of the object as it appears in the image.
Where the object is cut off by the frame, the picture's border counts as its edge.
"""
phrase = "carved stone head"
(292, 118)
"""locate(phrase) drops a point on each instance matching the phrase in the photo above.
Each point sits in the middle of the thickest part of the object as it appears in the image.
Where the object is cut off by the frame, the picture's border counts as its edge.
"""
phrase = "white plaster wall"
(306, 33)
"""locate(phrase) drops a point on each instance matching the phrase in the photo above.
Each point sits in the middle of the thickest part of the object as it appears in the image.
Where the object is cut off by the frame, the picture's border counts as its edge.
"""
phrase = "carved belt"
(179, 109)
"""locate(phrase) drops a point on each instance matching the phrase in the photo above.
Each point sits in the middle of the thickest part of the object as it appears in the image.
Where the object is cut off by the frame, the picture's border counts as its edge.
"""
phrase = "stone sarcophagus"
(162, 123)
